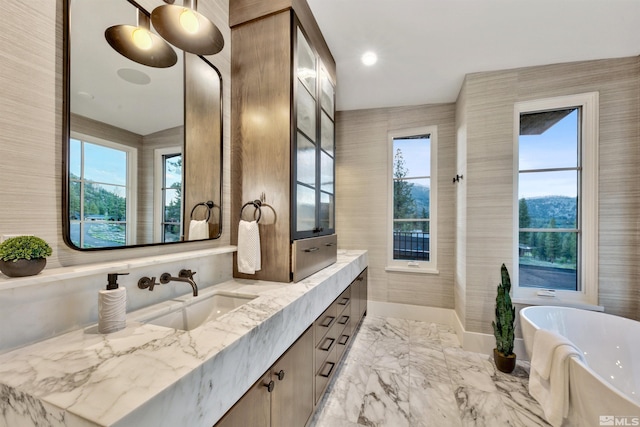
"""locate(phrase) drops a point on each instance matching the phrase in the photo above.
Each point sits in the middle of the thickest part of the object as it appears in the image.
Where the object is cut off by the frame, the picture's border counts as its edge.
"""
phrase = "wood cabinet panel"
(260, 152)
(241, 11)
(292, 397)
(253, 409)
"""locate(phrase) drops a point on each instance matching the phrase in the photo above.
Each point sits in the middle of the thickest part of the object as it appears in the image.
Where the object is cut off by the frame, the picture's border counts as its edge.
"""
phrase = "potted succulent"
(503, 326)
(23, 256)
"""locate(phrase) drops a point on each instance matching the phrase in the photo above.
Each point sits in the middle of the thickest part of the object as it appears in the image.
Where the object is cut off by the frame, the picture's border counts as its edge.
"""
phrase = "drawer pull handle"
(344, 320)
(343, 340)
(344, 301)
(327, 321)
(330, 244)
(280, 375)
(314, 249)
(270, 386)
(328, 374)
(325, 347)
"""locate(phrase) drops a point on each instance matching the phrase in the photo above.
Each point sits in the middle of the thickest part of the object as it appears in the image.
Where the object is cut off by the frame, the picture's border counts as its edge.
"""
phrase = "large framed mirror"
(142, 145)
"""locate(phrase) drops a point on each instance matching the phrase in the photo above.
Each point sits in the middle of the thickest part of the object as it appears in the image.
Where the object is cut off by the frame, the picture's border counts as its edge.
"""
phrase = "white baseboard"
(470, 341)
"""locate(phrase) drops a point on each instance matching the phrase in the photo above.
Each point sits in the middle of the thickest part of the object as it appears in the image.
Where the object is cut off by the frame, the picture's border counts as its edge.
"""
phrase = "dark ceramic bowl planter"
(23, 267)
(504, 363)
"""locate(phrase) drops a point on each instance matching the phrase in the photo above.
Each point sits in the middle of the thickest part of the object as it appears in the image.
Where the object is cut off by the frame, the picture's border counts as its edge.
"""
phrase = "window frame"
(406, 266)
(158, 184)
(588, 199)
(132, 180)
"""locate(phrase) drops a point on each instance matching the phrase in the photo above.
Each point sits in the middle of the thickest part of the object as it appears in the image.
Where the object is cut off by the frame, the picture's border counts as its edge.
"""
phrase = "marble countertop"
(147, 375)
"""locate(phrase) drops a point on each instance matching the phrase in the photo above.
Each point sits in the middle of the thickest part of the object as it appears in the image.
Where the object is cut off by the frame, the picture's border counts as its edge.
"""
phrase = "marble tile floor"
(401, 373)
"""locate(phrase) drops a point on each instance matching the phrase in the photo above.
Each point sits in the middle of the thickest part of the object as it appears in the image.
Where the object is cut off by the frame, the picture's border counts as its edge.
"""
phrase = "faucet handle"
(186, 273)
(146, 282)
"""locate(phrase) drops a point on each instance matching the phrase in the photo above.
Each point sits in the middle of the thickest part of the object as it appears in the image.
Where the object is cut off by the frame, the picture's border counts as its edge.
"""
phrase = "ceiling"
(426, 47)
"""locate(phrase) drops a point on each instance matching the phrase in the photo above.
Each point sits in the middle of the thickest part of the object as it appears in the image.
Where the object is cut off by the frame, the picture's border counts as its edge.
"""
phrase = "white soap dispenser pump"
(112, 306)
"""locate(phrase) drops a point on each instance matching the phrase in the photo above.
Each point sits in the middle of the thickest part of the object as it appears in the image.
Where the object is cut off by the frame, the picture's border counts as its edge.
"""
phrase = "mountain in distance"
(541, 209)
(561, 208)
(420, 195)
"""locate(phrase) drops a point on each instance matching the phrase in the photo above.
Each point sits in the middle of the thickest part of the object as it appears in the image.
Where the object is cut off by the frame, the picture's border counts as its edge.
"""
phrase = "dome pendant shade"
(141, 45)
(187, 29)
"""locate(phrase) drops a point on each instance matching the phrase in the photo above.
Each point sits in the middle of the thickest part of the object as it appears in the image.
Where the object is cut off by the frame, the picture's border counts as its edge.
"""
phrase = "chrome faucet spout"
(185, 276)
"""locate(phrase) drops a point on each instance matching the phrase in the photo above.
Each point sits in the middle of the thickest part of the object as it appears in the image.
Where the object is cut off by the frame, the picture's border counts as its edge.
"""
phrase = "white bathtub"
(609, 383)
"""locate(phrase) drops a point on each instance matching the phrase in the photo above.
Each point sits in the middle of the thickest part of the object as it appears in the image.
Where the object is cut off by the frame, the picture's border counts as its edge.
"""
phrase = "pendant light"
(139, 44)
(187, 29)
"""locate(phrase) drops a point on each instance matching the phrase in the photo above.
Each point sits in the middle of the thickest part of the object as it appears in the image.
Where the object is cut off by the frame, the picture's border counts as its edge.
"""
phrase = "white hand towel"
(549, 376)
(198, 229)
(248, 247)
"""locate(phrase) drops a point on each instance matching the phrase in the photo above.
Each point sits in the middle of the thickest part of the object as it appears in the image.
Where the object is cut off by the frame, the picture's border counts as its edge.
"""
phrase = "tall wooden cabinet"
(282, 138)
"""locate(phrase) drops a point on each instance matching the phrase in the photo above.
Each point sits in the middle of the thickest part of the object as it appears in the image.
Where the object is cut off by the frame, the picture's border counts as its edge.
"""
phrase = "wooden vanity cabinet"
(289, 391)
(282, 130)
(283, 397)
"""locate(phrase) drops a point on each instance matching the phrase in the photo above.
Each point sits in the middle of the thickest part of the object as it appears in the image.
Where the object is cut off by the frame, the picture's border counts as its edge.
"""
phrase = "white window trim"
(132, 178)
(588, 296)
(157, 190)
(424, 267)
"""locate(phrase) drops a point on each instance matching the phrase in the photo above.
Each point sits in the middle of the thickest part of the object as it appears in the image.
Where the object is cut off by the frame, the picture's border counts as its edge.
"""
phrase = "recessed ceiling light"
(369, 58)
(85, 95)
(134, 76)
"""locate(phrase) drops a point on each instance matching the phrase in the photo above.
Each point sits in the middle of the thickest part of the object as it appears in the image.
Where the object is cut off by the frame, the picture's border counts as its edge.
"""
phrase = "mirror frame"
(66, 134)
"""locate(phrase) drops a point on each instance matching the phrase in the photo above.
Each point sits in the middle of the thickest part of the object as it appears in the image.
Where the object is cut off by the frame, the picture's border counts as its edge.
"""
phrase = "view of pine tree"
(524, 219)
(174, 207)
(97, 201)
(557, 248)
(404, 205)
(552, 243)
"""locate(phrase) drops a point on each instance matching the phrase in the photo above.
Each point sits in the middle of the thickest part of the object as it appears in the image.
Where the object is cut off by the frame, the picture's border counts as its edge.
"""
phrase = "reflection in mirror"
(126, 147)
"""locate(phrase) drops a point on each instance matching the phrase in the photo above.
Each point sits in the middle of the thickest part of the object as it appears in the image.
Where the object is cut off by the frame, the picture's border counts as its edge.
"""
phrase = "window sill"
(556, 301)
(416, 270)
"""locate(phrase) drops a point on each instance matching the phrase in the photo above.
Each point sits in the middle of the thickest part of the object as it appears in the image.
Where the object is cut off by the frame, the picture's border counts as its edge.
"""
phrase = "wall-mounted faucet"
(183, 276)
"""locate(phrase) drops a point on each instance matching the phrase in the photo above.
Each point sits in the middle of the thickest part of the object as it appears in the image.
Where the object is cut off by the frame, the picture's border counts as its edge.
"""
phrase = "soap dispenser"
(112, 306)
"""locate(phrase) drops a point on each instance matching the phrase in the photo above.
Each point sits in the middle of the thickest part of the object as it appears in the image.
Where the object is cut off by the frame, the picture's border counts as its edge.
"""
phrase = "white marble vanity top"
(148, 375)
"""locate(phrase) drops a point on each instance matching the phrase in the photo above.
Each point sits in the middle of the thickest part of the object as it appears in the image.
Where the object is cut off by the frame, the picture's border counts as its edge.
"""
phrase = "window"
(100, 200)
(169, 194)
(556, 197)
(412, 207)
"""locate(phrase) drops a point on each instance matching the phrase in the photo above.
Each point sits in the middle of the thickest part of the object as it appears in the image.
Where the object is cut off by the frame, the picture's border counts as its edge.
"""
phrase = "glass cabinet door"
(314, 175)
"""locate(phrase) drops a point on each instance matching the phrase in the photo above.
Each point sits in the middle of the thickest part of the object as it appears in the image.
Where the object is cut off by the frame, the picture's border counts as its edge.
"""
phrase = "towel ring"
(209, 205)
(257, 205)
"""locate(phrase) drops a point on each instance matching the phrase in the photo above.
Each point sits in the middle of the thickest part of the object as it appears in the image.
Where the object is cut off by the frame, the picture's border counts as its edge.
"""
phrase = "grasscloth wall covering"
(31, 126)
(362, 198)
(485, 152)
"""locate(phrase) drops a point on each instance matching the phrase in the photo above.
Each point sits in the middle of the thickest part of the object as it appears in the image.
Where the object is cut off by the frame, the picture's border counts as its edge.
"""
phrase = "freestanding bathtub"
(606, 389)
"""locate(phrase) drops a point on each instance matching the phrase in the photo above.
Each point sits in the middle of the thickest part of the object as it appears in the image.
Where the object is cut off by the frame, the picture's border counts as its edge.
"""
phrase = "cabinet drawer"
(327, 344)
(343, 302)
(323, 324)
(343, 341)
(324, 373)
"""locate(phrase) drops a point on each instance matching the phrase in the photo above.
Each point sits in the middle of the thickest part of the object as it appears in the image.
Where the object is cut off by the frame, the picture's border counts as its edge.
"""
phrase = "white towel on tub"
(248, 247)
(549, 376)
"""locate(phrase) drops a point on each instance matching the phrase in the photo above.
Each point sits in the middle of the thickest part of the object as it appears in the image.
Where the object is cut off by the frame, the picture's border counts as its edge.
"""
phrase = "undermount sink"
(197, 310)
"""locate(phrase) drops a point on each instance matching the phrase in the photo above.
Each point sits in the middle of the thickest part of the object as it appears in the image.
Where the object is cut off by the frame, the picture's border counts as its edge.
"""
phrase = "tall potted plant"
(503, 325)
(23, 256)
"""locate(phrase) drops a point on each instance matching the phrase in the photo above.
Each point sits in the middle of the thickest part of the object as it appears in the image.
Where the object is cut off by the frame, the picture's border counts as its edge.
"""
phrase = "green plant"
(503, 326)
(24, 247)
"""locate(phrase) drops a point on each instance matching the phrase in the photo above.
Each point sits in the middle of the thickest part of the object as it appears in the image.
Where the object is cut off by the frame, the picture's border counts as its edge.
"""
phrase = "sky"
(555, 148)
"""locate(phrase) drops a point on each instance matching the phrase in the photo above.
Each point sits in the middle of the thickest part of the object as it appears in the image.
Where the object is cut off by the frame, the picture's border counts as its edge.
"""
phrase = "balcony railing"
(411, 245)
